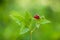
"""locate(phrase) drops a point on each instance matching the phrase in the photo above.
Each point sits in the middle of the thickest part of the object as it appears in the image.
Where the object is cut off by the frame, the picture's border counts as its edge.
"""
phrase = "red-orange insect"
(36, 17)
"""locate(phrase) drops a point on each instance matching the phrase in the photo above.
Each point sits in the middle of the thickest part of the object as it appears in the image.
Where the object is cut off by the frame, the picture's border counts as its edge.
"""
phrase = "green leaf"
(28, 18)
(24, 30)
(18, 18)
(37, 25)
(22, 21)
(44, 20)
(15, 19)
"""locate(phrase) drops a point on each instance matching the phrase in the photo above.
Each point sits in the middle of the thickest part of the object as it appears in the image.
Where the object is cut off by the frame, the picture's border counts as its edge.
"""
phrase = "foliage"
(18, 18)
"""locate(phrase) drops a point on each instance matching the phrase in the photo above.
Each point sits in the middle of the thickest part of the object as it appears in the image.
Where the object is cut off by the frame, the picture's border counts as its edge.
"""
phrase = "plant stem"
(31, 33)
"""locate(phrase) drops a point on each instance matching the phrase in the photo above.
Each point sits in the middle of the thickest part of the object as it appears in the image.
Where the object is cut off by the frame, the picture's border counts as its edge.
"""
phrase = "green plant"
(27, 22)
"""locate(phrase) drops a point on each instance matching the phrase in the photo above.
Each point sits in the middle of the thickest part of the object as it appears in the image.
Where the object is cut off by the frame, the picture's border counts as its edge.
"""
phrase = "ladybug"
(36, 17)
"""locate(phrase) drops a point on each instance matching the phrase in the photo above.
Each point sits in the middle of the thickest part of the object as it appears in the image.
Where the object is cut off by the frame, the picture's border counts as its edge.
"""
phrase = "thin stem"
(31, 33)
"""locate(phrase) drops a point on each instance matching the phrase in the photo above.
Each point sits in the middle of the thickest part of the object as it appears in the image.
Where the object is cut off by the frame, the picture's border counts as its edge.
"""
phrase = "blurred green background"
(9, 29)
